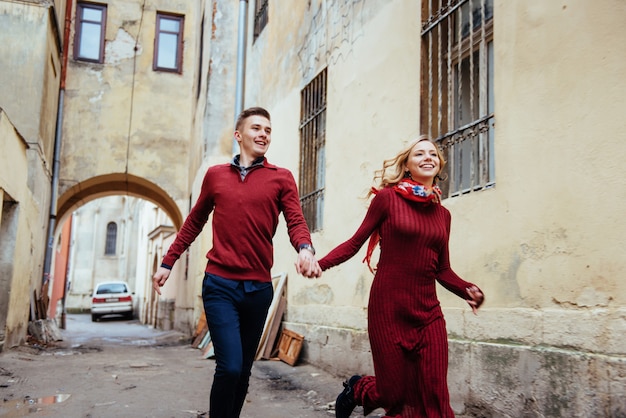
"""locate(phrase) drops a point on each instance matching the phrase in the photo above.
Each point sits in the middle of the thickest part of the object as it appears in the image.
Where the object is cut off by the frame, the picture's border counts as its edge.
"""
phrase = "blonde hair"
(394, 168)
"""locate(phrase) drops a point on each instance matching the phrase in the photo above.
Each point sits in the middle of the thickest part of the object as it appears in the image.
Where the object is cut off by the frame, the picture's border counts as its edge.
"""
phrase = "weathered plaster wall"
(90, 265)
(29, 80)
(545, 244)
(125, 117)
(22, 238)
(213, 142)
(30, 100)
(373, 107)
(129, 128)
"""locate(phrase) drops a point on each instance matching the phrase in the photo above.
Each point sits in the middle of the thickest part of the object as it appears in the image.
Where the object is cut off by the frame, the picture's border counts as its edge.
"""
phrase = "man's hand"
(159, 278)
(307, 265)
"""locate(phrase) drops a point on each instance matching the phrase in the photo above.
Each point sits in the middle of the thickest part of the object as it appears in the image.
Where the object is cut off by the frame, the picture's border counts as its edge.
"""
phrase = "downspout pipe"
(241, 63)
(57, 159)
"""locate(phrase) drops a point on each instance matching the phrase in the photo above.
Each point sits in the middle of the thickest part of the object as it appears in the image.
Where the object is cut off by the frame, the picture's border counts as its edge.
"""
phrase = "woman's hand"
(476, 298)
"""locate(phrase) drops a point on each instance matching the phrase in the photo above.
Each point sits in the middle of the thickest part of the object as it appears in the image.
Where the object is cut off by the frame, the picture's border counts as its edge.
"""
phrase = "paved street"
(116, 368)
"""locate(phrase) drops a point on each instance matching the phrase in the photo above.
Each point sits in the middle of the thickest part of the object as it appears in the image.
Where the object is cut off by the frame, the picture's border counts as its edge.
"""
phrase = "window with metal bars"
(260, 17)
(111, 240)
(312, 150)
(457, 107)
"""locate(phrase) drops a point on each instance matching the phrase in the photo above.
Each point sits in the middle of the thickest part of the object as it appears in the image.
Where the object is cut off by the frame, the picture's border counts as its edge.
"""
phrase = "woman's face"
(423, 162)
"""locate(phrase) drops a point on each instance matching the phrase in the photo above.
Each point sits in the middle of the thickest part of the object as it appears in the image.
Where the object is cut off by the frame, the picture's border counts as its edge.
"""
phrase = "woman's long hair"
(394, 168)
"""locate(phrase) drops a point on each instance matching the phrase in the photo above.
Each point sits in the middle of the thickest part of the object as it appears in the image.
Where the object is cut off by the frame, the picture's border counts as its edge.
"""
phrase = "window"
(111, 241)
(260, 17)
(109, 288)
(89, 36)
(168, 43)
(312, 150)
(457, 107)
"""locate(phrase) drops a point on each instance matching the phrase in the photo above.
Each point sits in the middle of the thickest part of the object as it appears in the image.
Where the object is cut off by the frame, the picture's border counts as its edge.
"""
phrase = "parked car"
(111, 298)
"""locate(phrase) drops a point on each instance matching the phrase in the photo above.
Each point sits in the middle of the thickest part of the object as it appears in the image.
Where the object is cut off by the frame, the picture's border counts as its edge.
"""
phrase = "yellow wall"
(544, 244)
(29, 82)
(23, 239)
(126, 118)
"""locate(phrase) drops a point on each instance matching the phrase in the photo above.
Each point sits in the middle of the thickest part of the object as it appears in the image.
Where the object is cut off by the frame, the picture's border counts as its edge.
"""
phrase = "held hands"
(307, 265)
(159, 278)
(476, 298)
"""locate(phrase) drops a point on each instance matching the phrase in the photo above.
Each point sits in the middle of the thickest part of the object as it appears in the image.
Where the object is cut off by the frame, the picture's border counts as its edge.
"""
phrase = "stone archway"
(95, 188)
(116, 184)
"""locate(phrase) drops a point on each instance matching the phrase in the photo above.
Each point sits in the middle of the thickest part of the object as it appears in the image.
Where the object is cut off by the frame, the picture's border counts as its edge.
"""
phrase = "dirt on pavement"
(117, 369)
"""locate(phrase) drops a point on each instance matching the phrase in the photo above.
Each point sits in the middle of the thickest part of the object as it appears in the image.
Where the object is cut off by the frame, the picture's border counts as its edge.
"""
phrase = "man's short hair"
(251, 111)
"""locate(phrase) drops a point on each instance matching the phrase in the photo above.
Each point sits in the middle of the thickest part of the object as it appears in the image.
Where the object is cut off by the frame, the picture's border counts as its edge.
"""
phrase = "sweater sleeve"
(375, 215)
(194, 223)
(292, 211)
(446, 276)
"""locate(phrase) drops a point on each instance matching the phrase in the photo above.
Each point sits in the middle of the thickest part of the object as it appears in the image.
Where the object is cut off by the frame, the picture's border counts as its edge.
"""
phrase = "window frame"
(453, 41)
(78, 28)
(110, 244)
(179, 43)
(261, 17)
(312, 182)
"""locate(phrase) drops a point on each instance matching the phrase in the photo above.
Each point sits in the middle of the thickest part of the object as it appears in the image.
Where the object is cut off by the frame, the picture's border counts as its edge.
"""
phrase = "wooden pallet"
(289, 346)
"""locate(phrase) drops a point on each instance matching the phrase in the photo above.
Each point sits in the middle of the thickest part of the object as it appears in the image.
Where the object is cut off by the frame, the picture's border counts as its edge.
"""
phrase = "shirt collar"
(256, 162)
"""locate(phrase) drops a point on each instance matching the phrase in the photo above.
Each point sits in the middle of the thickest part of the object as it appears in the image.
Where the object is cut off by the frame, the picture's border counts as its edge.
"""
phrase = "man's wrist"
(306, 247)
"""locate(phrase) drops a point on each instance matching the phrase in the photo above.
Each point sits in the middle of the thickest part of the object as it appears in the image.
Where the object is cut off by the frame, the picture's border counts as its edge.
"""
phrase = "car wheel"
(94, 318)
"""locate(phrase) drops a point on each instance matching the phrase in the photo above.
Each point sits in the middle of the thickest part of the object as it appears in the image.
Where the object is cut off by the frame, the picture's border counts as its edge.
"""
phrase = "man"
(246, 197)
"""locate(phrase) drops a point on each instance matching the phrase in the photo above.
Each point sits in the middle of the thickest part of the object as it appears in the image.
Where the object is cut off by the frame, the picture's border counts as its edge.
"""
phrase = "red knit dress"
(405, 323)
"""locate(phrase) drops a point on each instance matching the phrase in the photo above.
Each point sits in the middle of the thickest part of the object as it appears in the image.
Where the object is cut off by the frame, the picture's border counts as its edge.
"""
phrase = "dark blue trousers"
(235, 312)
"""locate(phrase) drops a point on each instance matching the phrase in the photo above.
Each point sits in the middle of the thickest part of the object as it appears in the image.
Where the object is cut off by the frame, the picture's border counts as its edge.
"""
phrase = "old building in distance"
(526, 99)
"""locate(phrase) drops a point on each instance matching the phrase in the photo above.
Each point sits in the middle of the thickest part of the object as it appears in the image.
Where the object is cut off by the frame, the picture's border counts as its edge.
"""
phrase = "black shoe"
(346, 403)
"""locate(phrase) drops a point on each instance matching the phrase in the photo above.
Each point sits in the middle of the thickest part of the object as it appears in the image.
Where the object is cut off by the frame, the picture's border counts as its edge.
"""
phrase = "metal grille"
(260, 17)
(312, 150)
(457, 90)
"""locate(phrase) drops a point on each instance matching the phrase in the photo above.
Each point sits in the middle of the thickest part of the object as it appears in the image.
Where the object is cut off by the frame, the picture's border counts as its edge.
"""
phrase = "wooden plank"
(200, 337)
(201, 326)
(274, 327)
(279, 287)
(205, 340)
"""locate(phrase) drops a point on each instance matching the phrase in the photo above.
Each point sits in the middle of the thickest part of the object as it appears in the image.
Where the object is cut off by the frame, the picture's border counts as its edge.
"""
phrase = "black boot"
(346, 403)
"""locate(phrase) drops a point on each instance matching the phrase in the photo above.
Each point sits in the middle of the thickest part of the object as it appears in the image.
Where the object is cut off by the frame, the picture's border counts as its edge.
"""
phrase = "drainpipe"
(56, 159)
(241, 63)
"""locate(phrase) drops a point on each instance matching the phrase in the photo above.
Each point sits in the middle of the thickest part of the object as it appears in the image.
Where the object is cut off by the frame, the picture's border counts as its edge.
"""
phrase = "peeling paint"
(320, 295)
(121, 48)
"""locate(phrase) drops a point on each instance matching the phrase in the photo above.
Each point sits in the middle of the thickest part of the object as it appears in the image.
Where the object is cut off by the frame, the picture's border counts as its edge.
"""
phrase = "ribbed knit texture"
(245, 218)
(405, 322)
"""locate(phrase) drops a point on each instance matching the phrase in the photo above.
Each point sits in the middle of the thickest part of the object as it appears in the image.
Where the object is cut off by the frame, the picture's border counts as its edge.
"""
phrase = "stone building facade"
(525, 97)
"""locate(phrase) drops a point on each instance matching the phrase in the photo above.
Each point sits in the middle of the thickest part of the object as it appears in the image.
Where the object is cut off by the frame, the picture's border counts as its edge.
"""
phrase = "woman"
(406, 327)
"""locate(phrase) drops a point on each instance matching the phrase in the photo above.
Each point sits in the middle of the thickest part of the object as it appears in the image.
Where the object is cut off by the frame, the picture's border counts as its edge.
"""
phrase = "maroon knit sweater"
(245, 217)
(413, 255)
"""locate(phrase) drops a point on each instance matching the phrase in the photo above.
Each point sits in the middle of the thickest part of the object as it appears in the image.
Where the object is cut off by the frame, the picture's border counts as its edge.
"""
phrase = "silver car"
(111, 298)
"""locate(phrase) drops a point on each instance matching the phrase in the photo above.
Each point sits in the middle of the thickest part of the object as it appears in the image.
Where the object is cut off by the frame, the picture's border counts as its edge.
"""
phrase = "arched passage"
(116, 184)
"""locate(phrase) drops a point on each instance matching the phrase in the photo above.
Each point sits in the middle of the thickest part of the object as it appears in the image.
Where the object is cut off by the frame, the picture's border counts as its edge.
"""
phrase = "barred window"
(457, 107)
(260, 17)
(312, 150)
(111, 240)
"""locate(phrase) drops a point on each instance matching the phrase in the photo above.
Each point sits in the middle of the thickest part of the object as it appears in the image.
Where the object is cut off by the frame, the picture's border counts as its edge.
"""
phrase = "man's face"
(254, 136)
